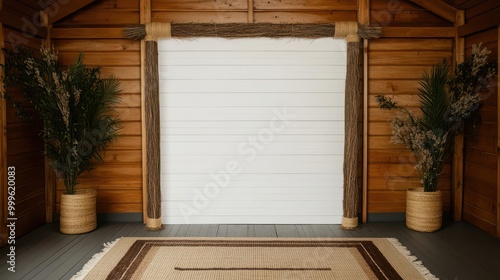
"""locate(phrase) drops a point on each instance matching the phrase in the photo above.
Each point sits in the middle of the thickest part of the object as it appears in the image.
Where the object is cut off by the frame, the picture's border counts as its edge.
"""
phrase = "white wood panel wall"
(252, 130)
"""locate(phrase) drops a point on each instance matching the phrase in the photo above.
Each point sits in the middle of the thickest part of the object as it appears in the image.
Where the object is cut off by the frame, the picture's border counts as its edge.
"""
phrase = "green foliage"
(435, 98)
(445, 102)
(75, 104)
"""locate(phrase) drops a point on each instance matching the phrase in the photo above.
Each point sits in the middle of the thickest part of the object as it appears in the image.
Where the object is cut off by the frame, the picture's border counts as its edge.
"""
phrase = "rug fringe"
(413, 260)
(80, 275)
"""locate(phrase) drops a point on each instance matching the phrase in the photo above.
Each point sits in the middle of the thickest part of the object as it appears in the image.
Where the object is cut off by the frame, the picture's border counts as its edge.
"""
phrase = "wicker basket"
(424, 210)
(78, 212)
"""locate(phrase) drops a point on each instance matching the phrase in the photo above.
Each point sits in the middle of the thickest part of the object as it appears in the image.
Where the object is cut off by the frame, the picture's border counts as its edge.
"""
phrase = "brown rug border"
(365, 246)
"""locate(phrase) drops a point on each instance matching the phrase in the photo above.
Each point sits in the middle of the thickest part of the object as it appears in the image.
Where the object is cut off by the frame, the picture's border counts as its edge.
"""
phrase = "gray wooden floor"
(458, 251)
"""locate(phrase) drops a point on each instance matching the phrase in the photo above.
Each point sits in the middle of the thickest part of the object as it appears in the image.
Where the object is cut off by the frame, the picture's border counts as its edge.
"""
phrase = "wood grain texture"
(119, 177)
(418, 32)
(394, 71)
(353, 137)
(57, 11)
(440, 8)
(498, 143)
(458, 144)
(481, 150)
(342, 5)
(404, 13)
(152, 107)
(364, 18)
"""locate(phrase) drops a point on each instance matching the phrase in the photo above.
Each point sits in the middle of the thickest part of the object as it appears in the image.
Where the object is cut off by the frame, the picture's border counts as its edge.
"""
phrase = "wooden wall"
(97, 31)
(481, 185)
(21, 145)
(395, 65)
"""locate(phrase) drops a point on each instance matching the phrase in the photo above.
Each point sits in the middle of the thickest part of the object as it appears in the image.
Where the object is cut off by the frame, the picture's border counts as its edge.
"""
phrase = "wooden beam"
(3, 150)
(50, 177)
(87, 33)
(438, 7)
(457, 180)
(59, 10)
(23, 24)
(418, 32)
(364, 18)
(145, 17)
(480, 24)
(498, 142)
(250, 11)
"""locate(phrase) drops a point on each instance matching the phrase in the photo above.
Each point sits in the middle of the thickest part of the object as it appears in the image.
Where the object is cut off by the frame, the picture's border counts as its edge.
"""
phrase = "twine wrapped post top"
(157, 30)
(345, 28)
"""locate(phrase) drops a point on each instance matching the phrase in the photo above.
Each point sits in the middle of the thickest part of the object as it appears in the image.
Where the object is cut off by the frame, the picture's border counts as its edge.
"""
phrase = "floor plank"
(457, 251)
(265, 231)
(287, 231)
(237, 231)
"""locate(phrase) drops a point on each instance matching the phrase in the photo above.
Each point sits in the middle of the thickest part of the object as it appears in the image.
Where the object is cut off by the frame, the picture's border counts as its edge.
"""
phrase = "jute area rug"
(254, 258)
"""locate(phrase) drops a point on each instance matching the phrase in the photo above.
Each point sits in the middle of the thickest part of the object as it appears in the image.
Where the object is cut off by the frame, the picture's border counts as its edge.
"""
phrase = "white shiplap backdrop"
(222, 104)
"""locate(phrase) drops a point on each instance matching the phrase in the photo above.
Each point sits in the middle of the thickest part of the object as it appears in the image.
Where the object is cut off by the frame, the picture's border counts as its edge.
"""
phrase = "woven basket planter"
(424, 210)
(78, 212)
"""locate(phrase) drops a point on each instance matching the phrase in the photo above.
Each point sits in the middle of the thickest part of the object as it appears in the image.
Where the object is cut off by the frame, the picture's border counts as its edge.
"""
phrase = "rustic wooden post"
(145, 16)
(152, 110)
(364, 19)
(250, 11)
(498, 145)
(457, 184)
(352, 140)
(50, 177)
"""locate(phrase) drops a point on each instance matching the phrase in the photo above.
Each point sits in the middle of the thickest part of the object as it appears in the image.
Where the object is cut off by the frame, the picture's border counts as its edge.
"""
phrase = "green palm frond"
(435, 98)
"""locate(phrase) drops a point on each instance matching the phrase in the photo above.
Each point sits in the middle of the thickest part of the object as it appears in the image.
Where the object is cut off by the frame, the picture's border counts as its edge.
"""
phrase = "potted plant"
(76, 107)
(445, 102)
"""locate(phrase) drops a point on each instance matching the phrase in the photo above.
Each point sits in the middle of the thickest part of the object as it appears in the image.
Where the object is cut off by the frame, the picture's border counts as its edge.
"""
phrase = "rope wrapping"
(344, 28)
(157, 30)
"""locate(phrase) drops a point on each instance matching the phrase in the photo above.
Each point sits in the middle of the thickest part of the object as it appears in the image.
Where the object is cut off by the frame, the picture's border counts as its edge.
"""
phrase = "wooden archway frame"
(352, 33)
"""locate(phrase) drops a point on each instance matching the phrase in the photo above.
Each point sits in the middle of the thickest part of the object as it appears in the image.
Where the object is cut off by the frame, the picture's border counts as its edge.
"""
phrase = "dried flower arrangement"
(75, 104)
(445, 102)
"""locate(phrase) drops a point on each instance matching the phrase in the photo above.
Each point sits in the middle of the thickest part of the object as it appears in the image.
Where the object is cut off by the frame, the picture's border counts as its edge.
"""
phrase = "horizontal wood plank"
(391, 86)
(103, 58)
(199, 17)
(95, 45)
(418, 32)
(400, 170)
(481, 173)
(342, 5)
(87, 33)
(304, 17)
(403, 183)
(99, 18)
(408, 57)
(411, 44)
(397, 72)
(214, 5)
